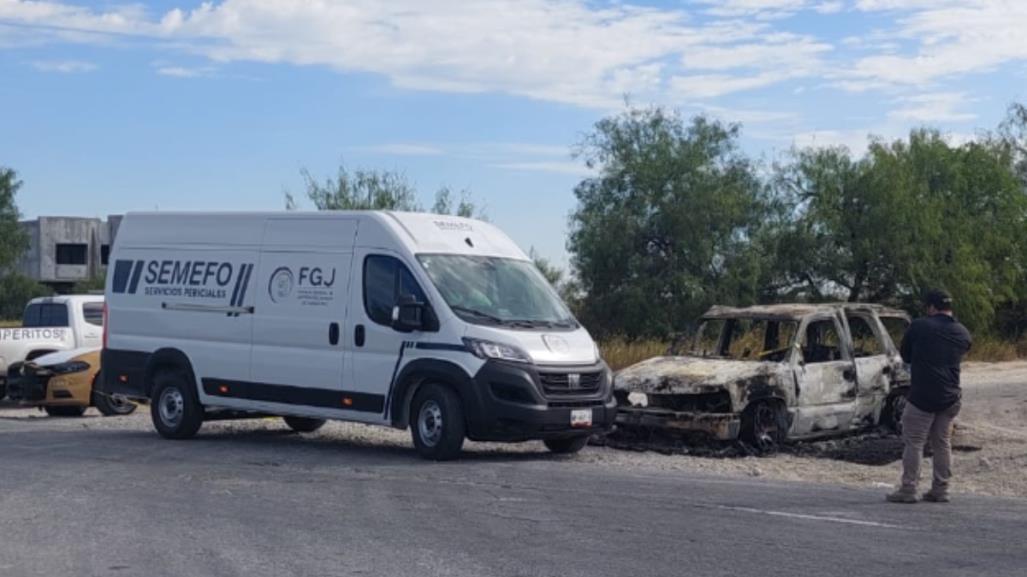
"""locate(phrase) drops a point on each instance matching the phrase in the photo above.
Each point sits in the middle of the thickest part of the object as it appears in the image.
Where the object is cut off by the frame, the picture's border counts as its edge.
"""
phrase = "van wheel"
(566, 445)
(65, 411)
(437, 425)
(174, 409)
(303, 424)
(764, 426)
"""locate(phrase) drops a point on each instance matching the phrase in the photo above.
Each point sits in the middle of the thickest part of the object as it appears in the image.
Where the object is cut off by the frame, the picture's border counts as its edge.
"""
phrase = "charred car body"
(769, 373)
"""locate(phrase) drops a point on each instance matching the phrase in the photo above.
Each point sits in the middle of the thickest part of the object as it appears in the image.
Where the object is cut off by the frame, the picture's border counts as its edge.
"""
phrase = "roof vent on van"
(469, 243)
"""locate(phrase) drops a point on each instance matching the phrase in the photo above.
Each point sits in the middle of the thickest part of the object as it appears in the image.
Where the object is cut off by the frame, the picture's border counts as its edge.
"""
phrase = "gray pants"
(919, 427)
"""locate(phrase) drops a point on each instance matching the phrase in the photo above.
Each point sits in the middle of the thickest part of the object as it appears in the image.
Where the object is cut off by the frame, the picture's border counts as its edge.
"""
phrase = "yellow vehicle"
(62, 383)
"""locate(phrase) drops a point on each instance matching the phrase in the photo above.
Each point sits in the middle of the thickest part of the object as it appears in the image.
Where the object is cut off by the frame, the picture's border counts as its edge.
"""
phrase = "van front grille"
(570, 383)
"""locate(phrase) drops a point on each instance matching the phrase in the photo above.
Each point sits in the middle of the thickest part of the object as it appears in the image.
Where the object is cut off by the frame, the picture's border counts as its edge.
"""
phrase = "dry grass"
(620, 353)
(9, 324)
(993, 350)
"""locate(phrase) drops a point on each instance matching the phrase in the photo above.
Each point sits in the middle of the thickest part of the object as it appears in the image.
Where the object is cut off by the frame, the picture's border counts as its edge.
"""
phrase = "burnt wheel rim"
(429, 423)
(898, 406)
(171, 407)
(765, 427)
(119, 404)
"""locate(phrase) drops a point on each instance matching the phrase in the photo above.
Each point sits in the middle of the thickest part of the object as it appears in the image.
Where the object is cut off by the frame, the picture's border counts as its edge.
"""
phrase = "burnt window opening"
(105, 254)
(865, 341)
(896, 327)
(746, 339)
(74, 254)
(822, 343)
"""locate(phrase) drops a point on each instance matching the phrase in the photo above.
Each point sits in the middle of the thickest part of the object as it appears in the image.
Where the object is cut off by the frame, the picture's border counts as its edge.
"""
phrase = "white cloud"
(801, 54)
(930, 108)
(571, 51)
(761, 8)
(64, 66)
(714, 85)
(403, 149)
(568, 167)
(952, 39)
(830, 7)
(187, 72)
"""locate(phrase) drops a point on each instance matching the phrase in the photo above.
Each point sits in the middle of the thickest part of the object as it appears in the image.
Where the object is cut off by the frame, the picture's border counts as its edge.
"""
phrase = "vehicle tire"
(566, 445)
(112, 406)
(65, 411)
(174, 408)
(891, 414)
(303, 424)
(764, 426)
(437, 423)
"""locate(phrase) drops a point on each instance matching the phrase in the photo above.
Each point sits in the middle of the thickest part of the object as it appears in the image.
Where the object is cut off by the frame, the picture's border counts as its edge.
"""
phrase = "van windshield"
(497, 291)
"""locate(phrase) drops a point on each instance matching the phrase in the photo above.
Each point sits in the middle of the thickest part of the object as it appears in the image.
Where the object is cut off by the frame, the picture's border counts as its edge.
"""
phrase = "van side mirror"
(408, 315)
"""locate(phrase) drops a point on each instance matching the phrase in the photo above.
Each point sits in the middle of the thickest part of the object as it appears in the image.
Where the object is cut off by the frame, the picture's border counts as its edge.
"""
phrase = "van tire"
(566, 445)
(437, 423)
(303, 424)
(174, 408)
(65, 411)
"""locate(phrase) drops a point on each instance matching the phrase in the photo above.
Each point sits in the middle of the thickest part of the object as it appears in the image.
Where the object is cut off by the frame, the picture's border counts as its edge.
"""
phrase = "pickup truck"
(766, 374)
(51, 324)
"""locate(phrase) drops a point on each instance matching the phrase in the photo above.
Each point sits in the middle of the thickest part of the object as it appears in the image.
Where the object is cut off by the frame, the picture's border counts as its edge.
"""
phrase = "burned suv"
(770, 373)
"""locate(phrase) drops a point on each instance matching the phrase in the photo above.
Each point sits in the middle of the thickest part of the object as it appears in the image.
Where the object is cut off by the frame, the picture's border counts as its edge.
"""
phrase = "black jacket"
(935, 346)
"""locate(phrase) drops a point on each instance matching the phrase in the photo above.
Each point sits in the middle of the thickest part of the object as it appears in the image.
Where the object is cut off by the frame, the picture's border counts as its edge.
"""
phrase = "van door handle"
(358, 335)
(333, 334)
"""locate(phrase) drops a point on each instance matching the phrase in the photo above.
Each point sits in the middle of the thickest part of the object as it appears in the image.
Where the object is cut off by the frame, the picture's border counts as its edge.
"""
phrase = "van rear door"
(300, 318)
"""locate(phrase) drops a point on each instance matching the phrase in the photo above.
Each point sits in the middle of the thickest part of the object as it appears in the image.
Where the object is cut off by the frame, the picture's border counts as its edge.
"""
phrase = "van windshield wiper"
(477, 313)
(534, 323)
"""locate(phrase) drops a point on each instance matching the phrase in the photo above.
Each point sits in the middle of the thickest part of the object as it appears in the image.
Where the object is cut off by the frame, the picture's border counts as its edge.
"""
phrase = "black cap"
(938, 299)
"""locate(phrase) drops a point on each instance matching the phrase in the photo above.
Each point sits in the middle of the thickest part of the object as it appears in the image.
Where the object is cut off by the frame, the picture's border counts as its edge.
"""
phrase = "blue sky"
(115, 106)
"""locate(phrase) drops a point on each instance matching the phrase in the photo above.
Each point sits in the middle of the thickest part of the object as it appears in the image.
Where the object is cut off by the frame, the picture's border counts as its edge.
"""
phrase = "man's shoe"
(932, 497)
(902, 497)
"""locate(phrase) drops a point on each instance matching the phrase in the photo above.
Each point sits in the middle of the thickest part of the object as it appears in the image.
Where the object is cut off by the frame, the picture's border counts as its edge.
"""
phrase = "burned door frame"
(826, 394)
(872, 371)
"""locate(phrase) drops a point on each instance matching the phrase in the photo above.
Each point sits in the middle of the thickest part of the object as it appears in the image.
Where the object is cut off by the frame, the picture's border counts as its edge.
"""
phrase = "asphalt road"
(121, 501)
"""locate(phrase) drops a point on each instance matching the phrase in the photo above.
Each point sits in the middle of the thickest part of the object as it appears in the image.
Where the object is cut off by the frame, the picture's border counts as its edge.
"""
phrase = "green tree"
(364, 189)
(552, 273)
(13, 239)
(910, 215)
(16, 290)
(359, 190)
(464, 207)
(94, 284)
(669, 224)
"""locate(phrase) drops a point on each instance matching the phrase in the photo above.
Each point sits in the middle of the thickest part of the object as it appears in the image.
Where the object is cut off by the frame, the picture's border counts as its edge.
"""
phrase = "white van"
(434, 322)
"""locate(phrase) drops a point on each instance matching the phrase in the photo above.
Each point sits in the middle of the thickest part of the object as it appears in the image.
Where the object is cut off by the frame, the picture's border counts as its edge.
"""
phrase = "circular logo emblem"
(280, 286)
(556, 344)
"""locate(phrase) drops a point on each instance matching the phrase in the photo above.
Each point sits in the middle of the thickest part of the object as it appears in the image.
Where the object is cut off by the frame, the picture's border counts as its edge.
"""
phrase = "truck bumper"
(723, 426)
(523, 402)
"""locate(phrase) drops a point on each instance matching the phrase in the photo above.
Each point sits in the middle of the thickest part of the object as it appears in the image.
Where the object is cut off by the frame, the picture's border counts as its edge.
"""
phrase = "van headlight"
(492, 350)
(69, 368)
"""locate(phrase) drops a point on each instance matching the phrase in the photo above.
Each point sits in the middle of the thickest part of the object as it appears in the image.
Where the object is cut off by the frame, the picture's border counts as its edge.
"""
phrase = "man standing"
(934, 346)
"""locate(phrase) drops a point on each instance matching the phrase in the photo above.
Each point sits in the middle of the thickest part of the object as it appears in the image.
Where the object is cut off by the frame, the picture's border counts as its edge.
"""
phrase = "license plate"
(581, 418)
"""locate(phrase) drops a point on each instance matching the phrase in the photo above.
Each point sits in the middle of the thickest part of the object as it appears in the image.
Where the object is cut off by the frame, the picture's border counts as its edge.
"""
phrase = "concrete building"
(66, 250)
